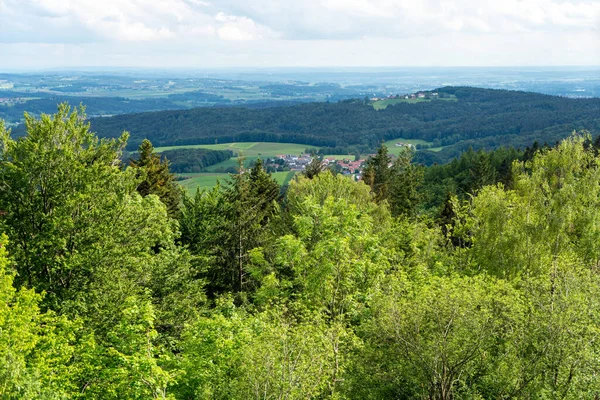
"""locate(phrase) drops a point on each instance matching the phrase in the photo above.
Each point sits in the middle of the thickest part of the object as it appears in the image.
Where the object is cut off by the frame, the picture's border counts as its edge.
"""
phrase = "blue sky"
(317, 33)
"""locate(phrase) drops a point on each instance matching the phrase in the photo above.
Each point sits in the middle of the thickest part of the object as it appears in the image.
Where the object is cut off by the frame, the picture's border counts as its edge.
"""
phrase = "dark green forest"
(480, 118)
(114, 284)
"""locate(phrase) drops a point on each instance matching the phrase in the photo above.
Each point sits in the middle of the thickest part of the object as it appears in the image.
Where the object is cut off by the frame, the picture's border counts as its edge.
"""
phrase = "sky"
(38, 34)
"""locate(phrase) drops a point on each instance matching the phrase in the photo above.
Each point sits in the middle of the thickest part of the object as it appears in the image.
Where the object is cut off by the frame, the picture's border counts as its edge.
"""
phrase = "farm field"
(383, 104)
(250, 150)
(264, 150)
(209, 180)
(392, 149)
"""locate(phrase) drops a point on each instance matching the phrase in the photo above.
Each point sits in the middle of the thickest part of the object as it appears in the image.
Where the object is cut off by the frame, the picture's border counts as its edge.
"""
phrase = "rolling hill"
(480, 118)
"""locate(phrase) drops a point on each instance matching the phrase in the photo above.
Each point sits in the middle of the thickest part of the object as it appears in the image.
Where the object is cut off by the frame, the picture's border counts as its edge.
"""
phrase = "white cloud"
(339, 28)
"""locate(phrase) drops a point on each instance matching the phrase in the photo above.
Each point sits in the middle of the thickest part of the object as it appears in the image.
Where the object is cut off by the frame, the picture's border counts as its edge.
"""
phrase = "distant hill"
(481, 118)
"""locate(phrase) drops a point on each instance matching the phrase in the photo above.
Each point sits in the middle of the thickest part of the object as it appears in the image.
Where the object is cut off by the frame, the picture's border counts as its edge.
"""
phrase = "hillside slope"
(480, 118)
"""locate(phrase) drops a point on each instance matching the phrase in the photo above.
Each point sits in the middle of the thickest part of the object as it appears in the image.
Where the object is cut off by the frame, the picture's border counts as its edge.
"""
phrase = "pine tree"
(405, 180)
(482, 171)
(314, 168)
(377, 173)
(158, 180)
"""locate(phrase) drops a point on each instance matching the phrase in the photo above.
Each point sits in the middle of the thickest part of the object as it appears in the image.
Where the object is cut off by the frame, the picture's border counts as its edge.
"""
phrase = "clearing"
(209, 180)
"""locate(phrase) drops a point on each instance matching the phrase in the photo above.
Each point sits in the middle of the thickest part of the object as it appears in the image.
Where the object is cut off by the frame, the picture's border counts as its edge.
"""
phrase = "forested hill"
(478, 118)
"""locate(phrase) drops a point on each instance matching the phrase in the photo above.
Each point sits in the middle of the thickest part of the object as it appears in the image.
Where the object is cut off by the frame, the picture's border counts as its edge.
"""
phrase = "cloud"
(316, 32)
(75, 21)
(351, 19)
(141, 20)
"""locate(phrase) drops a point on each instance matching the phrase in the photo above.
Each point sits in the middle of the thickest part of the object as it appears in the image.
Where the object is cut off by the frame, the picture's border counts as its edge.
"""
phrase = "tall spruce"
(157, 179)
(377, 173)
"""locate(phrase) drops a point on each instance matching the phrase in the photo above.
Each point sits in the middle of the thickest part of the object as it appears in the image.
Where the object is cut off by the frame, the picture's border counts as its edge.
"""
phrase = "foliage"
(396, 182)
(194, 160)
(333, 290)
(157, 179)
(480, 118)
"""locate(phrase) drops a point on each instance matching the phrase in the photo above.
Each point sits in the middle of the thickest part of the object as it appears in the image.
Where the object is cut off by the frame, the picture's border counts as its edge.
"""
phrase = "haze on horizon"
(38, 34)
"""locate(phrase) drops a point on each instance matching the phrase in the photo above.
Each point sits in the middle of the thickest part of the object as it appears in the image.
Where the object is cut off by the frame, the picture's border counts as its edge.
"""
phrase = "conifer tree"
(158, 180)
(314, 168)
(377, 173)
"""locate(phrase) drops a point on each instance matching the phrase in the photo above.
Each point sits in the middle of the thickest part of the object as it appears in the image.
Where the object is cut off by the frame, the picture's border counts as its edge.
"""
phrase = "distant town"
(290, 162)
(411, 96)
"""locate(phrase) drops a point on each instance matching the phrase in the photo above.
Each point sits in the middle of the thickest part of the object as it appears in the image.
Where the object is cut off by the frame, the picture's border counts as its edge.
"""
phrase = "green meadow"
(253, 150)
(383, 104)
(209, 180)
(392, 149)
(249, 150)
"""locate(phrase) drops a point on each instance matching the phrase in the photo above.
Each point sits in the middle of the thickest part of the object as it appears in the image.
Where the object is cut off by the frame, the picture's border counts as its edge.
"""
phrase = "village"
(290, 162)
(11, 101)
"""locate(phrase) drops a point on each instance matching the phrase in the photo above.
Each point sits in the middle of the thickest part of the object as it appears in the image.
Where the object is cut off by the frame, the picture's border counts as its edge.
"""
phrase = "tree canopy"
(335, 289)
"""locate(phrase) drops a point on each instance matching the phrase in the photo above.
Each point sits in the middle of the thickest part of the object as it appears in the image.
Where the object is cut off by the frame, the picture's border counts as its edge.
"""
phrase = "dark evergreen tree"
(314, 168)
(377, 173)
(157, 179)
(482, 172)
(405, 181)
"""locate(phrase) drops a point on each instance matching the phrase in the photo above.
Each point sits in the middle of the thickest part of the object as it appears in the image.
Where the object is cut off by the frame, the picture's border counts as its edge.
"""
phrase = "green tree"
(157, 179)
(377, 173)
(222, 226)
(36, 349)
(314, 168)
(405, 181)
(439, 338)
(104, 255)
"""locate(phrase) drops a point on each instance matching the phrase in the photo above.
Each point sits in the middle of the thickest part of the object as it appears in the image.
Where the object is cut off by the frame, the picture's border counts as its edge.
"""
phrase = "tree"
(377, 174)
(35, 348)
(103, 255)
(440, 338)
(57, 183)
(314, 168)
(225, 224)
(482, 171)
(157, 179)
(405, 181)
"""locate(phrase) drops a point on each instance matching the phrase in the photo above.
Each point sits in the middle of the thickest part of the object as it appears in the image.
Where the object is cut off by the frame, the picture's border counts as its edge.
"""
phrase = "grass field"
(391, 144)
(209, 180)
(250, 150)
(254, 150)
(383, 104)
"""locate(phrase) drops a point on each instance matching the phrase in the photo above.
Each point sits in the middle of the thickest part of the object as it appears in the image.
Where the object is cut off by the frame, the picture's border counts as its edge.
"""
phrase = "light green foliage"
(100, 251)
(553, 210)
(337, 290)
(269, 355)
(125, 363)
(558, 350)
(440, 338)
(35, 348)
(334, 253)
(55, 185)
(285, 359)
